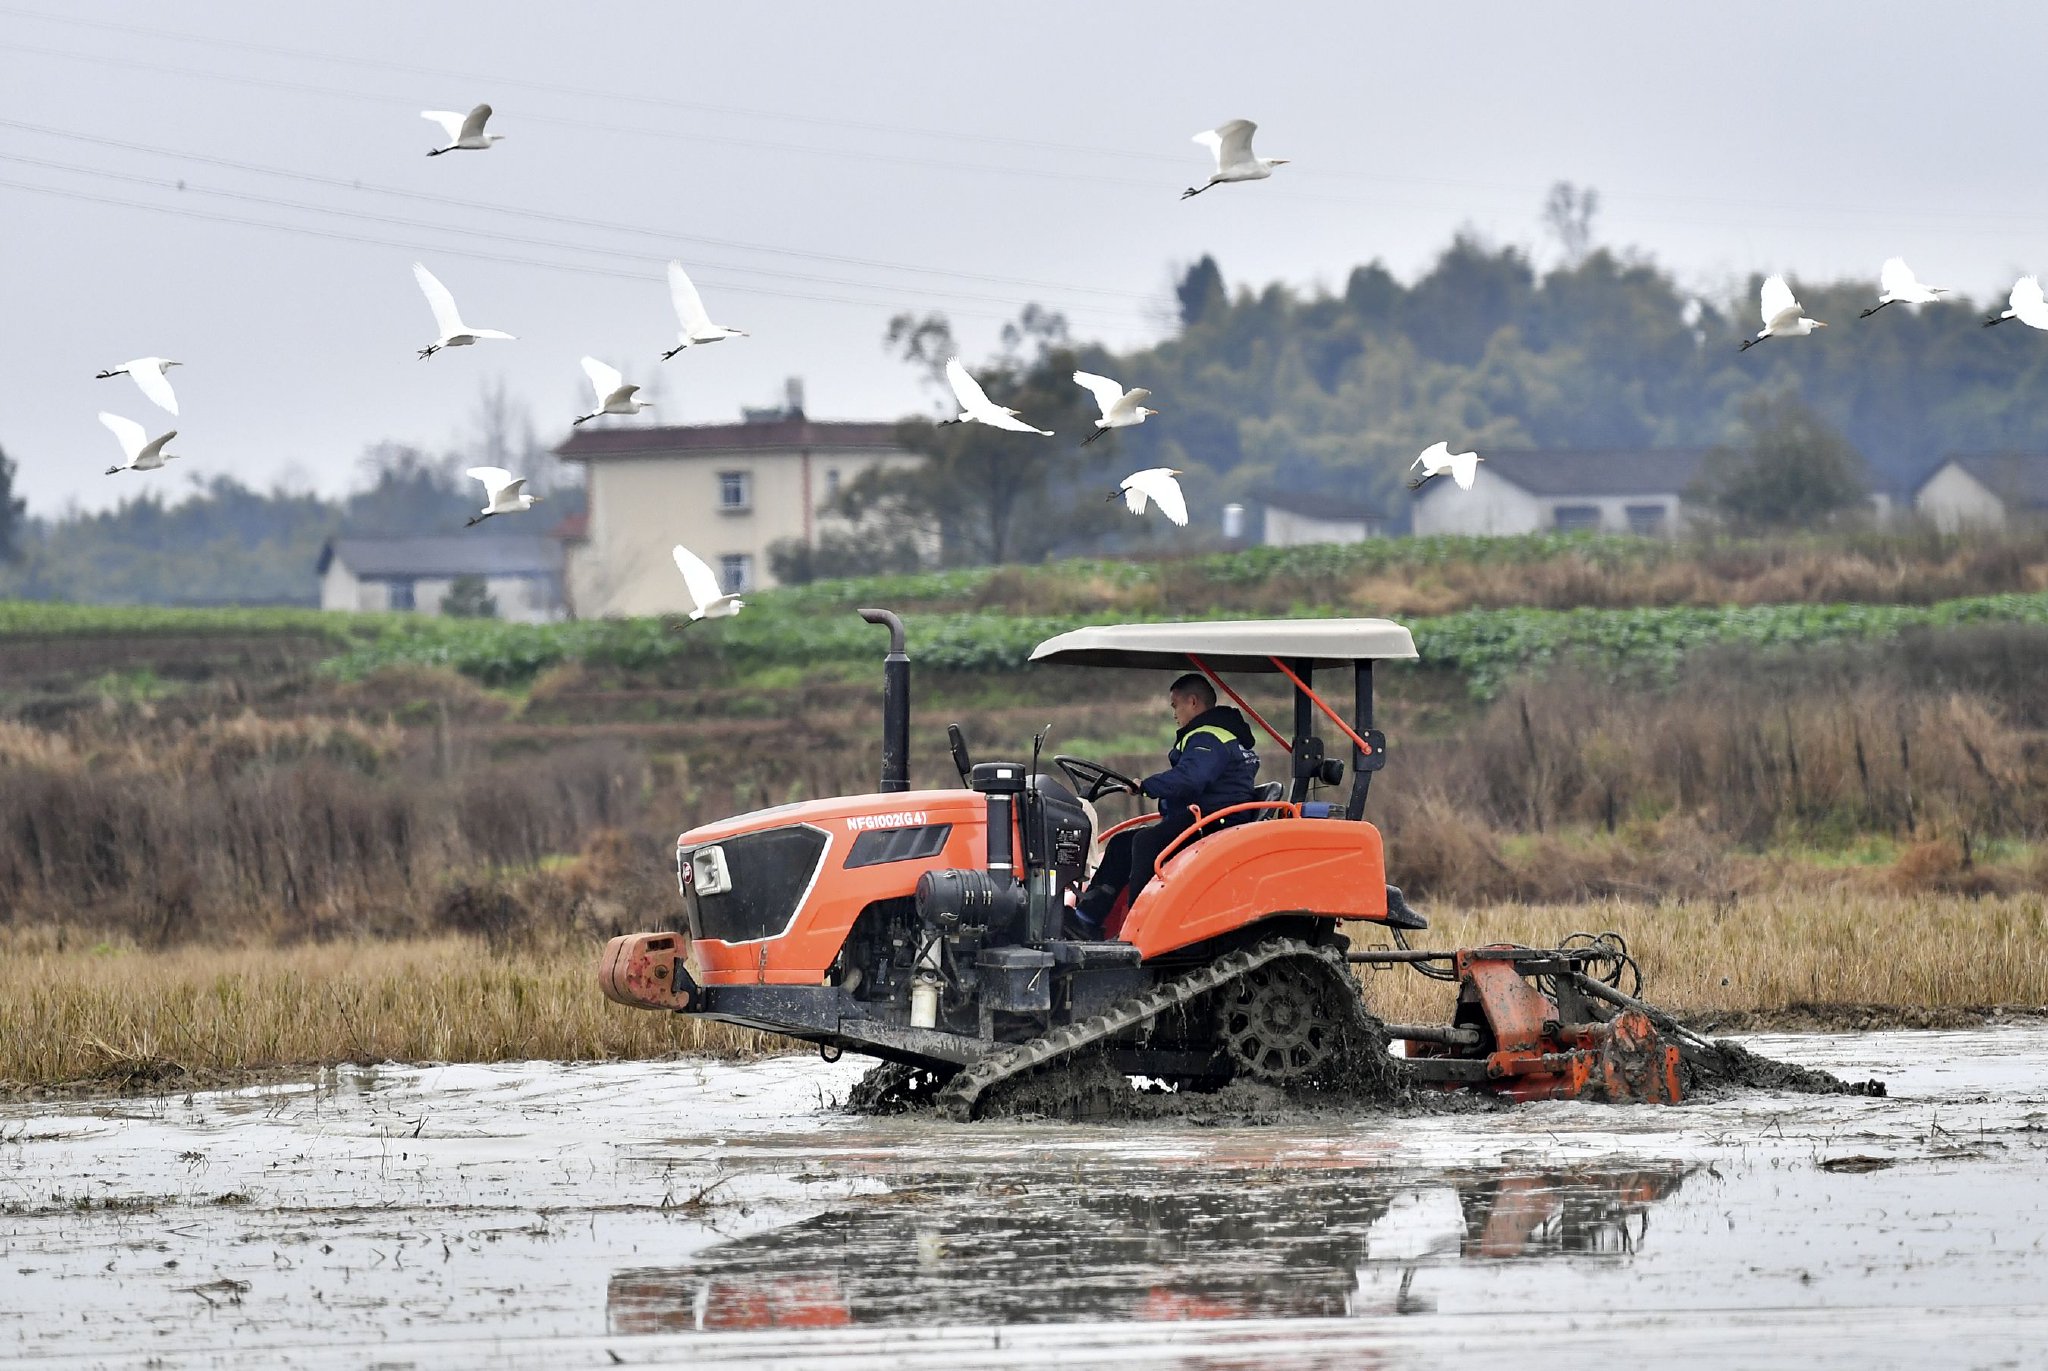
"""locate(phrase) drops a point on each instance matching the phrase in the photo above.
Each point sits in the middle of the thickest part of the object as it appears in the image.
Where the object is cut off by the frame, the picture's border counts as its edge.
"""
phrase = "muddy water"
(565, 1216)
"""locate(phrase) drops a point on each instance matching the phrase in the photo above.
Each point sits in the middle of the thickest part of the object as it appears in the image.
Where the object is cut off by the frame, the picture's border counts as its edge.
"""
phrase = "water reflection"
(1027, 1247)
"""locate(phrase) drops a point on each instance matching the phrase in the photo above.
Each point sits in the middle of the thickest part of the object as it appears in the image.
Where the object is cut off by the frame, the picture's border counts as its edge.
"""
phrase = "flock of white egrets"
(1231, 147)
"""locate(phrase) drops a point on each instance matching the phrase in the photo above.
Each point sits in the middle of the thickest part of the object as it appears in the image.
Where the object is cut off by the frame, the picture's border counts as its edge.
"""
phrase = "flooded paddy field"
(564, 1216)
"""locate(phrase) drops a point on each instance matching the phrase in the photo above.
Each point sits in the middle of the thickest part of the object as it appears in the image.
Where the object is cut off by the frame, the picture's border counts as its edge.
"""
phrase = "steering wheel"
(1093, 779)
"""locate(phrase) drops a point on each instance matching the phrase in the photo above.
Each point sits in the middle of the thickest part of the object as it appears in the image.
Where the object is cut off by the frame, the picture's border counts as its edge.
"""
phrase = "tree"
(1200, 292)
(993, 496)
(1568, 213)
(469, 597)
(875, 551)
(1783, 467)
(13, 512)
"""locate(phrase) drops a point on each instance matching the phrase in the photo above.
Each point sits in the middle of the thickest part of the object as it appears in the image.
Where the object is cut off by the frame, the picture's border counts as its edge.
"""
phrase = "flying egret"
(1437, 460)
(454, 333)
(1231, 145)
(1900, 287)
(697, 325)
(144, 453)
(1120, 408)
(149, 378)
(975, 404)
(1158, 485)
(707, 598)
(2024, 304)
(504, 493)
(465, 131)
(614, 396)
(1781, 315)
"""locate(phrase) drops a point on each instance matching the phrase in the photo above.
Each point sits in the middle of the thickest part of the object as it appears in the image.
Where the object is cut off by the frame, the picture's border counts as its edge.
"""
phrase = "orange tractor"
(925, 928)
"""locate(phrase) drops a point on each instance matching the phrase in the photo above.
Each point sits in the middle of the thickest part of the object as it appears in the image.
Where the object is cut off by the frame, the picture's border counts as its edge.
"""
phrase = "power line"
(307, 230)
(346, 183)
(523, 240)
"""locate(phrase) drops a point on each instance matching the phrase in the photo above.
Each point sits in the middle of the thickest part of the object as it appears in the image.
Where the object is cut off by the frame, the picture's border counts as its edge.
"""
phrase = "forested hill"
(1309, 391)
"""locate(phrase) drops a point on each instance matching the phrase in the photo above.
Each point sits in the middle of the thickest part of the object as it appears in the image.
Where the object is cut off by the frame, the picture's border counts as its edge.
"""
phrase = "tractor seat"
(1270, 792)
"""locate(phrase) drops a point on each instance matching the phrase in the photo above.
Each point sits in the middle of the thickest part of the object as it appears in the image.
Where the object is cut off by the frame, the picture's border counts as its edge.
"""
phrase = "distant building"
(1291, 518)
(1984, 490)
(725, 491)
(1615, 491)
(522, 573)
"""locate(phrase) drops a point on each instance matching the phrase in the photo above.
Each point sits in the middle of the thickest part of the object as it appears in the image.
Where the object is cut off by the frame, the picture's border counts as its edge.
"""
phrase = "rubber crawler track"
(961, 1098)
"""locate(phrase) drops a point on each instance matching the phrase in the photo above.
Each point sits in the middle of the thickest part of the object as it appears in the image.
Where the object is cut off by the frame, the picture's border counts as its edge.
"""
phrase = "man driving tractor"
(1211, 765)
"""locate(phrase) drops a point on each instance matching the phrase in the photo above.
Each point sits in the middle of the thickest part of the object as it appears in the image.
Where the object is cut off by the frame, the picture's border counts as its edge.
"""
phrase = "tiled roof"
(446, 555)
(2018, 478)
(591, 443)
(1591, 472)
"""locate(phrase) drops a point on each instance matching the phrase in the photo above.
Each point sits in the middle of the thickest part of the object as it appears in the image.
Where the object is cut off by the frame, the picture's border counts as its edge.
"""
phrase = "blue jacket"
(1212, 764)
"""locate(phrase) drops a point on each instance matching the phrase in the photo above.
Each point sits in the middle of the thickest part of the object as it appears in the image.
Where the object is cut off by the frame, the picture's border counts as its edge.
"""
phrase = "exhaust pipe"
(895, 704)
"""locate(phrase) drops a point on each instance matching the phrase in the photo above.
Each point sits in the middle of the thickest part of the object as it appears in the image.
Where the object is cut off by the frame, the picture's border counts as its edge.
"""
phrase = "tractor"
(927, 929)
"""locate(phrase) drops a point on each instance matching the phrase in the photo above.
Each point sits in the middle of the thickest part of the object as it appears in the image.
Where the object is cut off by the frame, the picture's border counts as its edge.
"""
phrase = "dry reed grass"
(119, 1013)
(1772, 953)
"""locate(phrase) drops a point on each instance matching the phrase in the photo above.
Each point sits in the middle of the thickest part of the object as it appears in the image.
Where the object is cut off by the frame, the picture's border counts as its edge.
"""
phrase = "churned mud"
(567, 1216)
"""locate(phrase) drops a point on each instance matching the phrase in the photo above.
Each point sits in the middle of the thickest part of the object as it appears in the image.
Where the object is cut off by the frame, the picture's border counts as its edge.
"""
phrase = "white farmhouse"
(522, 573)
(1984, 490)
(1615, 491)
(725, 491)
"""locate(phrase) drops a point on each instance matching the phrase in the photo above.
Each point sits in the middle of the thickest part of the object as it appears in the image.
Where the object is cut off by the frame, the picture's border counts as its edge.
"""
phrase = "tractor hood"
(845, 817)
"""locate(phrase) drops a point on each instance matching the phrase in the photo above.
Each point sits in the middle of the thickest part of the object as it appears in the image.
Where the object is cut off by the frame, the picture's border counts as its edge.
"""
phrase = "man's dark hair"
(1195, 686)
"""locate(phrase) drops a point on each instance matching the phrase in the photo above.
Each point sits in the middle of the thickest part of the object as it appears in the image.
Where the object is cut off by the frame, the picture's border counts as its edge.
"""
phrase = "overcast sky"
(243, 186)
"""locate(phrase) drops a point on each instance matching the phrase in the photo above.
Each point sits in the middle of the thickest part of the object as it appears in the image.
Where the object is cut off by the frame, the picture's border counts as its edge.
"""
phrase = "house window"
(399, 595)
(1575, 518)
(831, 482)
(736, 570)
(1647, 520)
(735, 491)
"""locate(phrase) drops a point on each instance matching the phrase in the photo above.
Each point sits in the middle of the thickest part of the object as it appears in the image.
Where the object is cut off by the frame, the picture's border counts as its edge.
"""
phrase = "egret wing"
(689, 305)
(698, 578)
(495, 479)
(1465, 469)
(510, 493)
(1434, 458)
(1107, 393)
(1776, 298)
(473, 124)
(1164, 490)
(2026, 293)
(153, 453)
(439, 300)
(1896, 278)
(967, 390)
(447, 118)
(150, 379)
(1134, 498)
(603, 378)
(130, 434)
(1234, 142)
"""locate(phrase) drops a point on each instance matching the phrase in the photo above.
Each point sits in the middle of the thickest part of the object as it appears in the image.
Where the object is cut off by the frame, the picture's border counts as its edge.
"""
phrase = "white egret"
(1120, 408)
(1437, 460)
(1158, 485)
(614, 396)
(504, 493)
(454, 333)
(697, 326)
(2024, 304)
(465, 131)
(975, 404)
(1231, 144)
(143, 452)
(1781, 314)
(149, 378)
(1900, 287)
(708, 599)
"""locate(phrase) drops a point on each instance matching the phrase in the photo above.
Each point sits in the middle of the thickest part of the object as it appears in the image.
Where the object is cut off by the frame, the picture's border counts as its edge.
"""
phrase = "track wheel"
(893, 1088)
(1274, 1024)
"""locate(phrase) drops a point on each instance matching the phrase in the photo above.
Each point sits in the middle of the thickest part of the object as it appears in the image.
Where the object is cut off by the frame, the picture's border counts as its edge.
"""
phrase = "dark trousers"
(1126, 865)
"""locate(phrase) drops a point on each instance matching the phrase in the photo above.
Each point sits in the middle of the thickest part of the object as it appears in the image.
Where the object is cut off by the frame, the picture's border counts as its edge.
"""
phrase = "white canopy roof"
(1234, 645)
